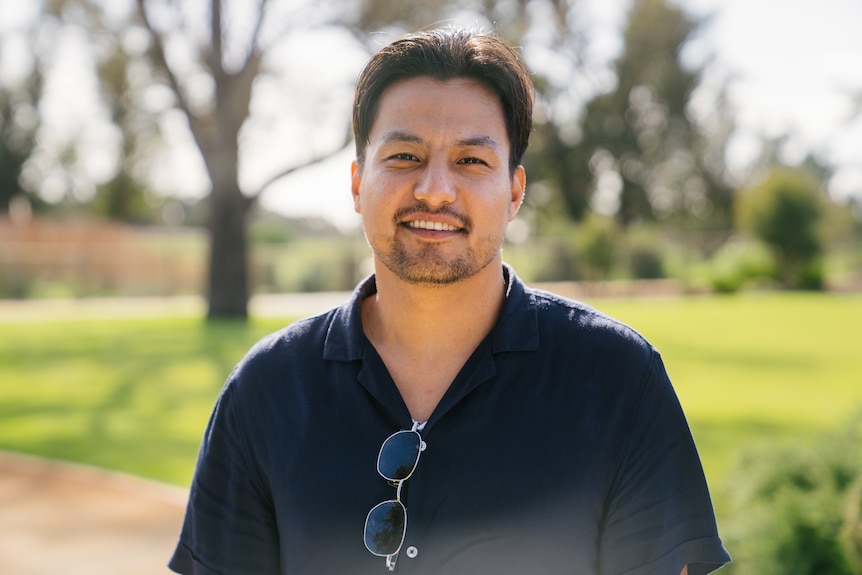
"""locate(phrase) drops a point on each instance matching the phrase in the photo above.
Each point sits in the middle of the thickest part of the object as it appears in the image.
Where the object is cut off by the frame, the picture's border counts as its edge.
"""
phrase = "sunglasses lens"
(399, 455)
(385, 527)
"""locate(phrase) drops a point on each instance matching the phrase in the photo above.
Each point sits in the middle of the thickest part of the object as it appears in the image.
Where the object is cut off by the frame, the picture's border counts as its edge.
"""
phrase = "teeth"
(436, 226)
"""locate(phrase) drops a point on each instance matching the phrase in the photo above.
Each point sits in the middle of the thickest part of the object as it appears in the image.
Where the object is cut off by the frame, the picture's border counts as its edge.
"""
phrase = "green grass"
(135, 394)
(127, 394)
(755, 368)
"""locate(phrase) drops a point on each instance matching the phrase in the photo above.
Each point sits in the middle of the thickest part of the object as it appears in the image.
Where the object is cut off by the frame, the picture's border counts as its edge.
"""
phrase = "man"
(513, 431)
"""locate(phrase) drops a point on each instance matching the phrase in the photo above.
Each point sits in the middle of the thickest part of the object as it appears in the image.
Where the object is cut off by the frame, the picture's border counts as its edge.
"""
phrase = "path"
(58, 518)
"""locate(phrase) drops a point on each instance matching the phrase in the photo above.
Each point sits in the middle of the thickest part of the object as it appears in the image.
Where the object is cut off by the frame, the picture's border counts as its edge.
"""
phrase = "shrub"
(598, 246)
(784, 212)
(795, 509)
(645, 253)
(737, 264)
(646, 263)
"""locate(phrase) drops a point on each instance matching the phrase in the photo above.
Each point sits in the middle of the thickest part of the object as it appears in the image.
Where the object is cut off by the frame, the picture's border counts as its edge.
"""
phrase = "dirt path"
(58, 518)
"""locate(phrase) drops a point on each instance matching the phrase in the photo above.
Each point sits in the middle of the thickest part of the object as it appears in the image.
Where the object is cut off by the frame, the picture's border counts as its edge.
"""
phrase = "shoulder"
(560, 318)
(280, 355)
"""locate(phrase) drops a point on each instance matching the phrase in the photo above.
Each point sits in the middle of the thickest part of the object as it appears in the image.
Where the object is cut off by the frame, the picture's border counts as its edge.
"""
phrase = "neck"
(430, 319)
(425, 334)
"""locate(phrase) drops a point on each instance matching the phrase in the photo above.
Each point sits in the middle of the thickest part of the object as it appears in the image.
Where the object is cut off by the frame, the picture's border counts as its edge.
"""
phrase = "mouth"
(432, 226)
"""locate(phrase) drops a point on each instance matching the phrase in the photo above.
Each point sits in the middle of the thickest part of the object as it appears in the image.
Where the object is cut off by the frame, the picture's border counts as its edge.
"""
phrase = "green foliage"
(646, 263)
(784, 212)
(598, 245)
(19, 124)
(334, 263)
(851, 529)
(123, 199)
(738, 264)
(639, 134)
(795, 507)
(271, 232)
(645, 251)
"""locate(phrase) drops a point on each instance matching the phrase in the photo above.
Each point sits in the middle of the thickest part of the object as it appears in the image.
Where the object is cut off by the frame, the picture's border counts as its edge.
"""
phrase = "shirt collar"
(516, 329)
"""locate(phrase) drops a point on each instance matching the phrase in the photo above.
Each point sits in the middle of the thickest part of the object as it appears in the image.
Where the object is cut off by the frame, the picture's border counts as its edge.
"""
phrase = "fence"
(41, 258)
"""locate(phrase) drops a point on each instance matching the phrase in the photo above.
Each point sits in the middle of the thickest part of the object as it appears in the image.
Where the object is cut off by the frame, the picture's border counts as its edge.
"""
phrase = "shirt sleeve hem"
(184, 562)
(702, 556)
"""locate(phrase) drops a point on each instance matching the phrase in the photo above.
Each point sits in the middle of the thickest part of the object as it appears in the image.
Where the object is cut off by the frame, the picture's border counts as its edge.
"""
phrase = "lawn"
(756, 368)
(135, 394)
(127, 394)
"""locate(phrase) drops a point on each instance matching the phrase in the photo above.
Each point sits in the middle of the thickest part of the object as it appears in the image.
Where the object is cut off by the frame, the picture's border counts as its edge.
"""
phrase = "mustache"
(403, 213)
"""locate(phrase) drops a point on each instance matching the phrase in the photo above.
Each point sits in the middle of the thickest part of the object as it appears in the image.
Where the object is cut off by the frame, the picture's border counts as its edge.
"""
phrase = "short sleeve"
(659, 516)
(229, 526)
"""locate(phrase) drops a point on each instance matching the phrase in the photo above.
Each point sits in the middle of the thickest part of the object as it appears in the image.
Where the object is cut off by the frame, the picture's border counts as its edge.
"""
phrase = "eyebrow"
(399, 136)
(407, 137)
(480, 142)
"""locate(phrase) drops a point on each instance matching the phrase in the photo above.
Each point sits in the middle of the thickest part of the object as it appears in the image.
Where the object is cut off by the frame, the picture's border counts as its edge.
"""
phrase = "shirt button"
(412, 552)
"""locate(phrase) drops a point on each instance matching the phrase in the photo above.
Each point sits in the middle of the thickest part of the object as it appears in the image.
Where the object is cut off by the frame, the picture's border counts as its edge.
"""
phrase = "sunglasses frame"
(391, 558)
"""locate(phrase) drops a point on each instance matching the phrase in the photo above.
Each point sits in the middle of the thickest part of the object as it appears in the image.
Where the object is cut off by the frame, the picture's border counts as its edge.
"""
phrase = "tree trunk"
(228, 283)
(228, 259)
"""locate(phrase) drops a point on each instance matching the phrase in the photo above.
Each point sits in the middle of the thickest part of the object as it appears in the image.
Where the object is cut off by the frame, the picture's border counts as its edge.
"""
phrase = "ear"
(355, 183)
(519, 186)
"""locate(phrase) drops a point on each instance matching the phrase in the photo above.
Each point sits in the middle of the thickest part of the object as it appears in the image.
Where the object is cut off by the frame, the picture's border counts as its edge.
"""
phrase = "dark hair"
(446, 54)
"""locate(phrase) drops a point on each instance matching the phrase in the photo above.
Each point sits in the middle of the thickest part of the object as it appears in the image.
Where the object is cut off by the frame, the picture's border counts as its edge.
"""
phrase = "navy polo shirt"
(560, 448)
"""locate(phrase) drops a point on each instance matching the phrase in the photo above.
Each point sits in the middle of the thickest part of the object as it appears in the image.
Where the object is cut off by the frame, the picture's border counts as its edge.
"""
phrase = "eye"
(472, 161)
(404, 156)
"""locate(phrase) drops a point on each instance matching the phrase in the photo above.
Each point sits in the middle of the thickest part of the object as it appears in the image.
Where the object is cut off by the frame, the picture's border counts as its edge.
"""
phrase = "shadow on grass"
(132, 395)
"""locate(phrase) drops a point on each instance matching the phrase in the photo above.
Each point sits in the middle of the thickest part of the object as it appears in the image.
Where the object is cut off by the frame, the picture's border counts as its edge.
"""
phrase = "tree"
(210, 56)
(637, 154)
(215, 129)
(123, 85)
(784, 212)
(19, 124)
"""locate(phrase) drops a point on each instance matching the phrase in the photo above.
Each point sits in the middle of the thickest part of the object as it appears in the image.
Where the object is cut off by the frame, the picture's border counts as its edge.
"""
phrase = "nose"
(436, 185)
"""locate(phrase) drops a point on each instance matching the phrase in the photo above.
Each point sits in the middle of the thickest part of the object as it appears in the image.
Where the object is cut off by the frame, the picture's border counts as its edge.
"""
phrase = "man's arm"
(684, 570)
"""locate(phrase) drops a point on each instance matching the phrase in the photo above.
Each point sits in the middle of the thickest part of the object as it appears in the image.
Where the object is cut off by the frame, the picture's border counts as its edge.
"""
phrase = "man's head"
(447, 54)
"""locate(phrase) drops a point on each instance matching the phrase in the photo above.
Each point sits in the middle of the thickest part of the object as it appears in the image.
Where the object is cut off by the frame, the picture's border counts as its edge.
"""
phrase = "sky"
(792, 67)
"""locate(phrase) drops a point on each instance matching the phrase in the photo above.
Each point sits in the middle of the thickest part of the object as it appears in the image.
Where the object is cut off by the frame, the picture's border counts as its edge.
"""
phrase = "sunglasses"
(386, 524)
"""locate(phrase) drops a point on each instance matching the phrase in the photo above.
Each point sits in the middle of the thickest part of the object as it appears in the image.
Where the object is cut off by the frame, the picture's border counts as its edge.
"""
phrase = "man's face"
(435, 190)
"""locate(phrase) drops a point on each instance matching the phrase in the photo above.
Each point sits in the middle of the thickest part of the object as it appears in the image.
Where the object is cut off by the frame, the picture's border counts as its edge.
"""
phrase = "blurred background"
(695, 169)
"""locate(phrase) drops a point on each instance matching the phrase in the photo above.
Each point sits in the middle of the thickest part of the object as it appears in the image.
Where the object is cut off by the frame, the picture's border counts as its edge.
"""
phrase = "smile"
(435, 226)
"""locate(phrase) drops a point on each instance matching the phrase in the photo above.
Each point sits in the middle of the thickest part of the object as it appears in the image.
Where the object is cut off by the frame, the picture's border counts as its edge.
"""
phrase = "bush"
(851, 530)
(646, 263)
(598, 246)
(645, 253)
(796, 510)
(737, 264)
(784, 212)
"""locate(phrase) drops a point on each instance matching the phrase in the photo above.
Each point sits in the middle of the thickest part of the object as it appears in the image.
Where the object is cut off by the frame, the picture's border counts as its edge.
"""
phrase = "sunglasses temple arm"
(390, 561)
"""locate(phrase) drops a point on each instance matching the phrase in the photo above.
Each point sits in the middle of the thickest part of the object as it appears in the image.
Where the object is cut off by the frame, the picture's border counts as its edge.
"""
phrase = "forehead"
(432, 106)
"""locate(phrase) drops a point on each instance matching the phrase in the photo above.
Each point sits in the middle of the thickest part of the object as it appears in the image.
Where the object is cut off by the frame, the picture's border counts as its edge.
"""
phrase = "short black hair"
(446, 54)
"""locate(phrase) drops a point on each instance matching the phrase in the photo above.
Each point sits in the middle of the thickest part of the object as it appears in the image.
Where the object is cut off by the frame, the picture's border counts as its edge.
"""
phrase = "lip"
(430, 225)
(433, 224)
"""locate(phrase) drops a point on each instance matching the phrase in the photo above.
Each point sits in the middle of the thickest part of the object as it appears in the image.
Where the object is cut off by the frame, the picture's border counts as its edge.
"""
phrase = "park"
(168, 197)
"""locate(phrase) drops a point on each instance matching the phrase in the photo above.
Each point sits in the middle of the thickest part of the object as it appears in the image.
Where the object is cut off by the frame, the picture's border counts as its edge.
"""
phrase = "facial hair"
(429, 264)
